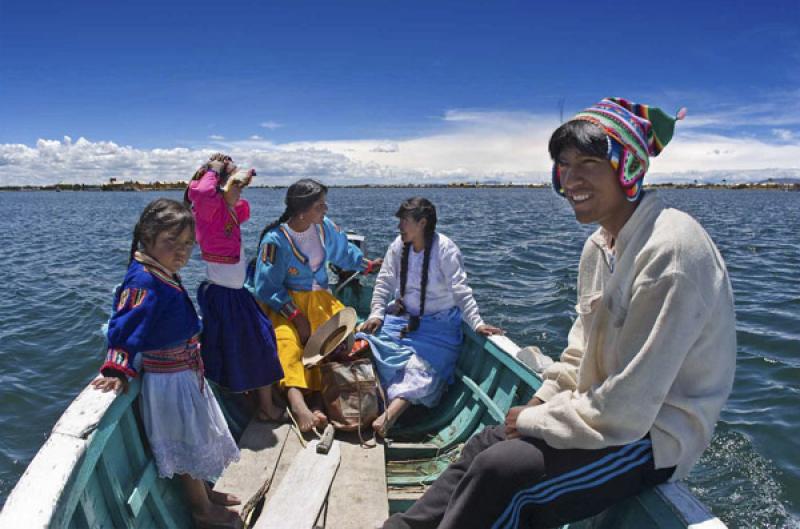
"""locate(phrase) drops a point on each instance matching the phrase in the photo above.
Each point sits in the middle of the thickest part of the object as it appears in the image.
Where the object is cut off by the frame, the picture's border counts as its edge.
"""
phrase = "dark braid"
(286, 215)
(418, 208)
(423, 289)
(159, 216)
(404, 269)
(134, 244)
(299, 198)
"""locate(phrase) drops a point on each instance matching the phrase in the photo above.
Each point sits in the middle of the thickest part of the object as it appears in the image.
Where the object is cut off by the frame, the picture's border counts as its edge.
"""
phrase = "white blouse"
(447, 281)
(309, 245)
(230, 275)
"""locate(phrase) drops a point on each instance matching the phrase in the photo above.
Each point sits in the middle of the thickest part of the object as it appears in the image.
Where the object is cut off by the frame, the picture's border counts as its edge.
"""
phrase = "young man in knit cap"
(649, 361)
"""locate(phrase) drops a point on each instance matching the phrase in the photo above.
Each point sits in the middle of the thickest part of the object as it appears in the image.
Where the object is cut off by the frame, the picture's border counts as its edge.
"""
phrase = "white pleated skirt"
(185, 426)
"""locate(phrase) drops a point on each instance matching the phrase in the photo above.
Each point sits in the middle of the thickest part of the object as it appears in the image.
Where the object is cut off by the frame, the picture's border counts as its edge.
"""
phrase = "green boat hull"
(95, 470)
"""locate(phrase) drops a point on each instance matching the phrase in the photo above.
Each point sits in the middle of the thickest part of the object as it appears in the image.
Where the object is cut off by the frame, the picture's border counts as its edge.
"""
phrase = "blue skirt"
(419, 366)
(239, 347)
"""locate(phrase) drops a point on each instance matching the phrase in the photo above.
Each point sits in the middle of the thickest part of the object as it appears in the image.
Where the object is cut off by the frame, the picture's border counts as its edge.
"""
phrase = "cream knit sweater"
(653, 349)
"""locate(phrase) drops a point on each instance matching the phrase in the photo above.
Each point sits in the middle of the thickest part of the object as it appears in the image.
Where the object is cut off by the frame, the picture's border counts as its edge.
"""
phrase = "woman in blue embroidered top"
(290, 280)
(154, 329)
(420, 298)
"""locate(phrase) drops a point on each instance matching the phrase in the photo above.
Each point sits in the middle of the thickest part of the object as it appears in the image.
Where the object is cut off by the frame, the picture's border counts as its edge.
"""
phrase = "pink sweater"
(217, 224)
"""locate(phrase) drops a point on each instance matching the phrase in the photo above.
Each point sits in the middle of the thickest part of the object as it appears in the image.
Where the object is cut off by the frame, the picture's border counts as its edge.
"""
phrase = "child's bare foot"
(216, 517)
(221, 498)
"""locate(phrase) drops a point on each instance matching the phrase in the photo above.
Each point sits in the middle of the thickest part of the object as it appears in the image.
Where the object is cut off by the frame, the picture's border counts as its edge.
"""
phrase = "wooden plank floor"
(302, 491)
(290, 451)
(358, 498)
(261, 446)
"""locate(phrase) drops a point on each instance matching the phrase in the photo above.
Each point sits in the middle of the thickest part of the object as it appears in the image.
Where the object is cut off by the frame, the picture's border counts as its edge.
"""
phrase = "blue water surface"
(61, 254)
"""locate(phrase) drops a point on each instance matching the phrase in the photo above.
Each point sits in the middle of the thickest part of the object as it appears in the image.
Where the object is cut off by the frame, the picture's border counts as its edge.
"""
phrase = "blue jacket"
(151, 311)
(281, 267)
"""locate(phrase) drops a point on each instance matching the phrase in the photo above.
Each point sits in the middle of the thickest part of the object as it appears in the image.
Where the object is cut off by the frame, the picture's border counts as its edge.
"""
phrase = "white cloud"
(777, 109)
(693, 151)
(470, 145)
(216, 137)
(386, 147)
(52, 161)
(271, 125)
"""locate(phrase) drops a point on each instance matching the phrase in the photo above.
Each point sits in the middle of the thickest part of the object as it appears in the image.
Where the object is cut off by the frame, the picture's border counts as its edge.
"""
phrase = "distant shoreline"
(179, 186)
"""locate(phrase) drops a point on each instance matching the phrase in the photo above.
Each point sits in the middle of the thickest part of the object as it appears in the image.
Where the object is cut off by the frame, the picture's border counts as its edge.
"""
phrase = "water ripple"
(521, 248)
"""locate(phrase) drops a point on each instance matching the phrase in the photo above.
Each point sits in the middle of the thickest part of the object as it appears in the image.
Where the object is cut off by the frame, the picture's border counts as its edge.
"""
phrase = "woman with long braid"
(290, 280)
(420, 330)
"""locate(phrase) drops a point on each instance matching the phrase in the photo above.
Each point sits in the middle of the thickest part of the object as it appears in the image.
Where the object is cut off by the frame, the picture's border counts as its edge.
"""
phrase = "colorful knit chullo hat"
(635, 132)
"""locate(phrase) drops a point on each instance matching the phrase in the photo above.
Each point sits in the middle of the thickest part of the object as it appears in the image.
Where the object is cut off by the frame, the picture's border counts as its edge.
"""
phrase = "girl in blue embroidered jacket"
(154, 328)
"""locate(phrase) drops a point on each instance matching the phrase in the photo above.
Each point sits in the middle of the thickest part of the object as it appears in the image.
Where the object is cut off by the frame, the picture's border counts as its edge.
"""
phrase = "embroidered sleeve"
(271, 268)
(340, 251)
(133, 317)
(288, 310)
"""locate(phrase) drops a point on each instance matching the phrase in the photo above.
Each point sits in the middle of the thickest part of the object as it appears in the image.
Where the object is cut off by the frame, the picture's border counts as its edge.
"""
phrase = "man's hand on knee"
(511, 418)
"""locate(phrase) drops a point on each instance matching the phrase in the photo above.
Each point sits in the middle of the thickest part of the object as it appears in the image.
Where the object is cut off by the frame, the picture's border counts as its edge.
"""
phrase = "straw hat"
(329, 335)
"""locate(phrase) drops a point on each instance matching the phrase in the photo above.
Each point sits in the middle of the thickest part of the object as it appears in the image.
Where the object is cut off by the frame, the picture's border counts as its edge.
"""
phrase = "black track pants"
(504, 483)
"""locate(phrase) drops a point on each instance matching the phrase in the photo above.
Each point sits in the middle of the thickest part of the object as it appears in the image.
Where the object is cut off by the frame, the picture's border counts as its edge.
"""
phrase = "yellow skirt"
(318, 306)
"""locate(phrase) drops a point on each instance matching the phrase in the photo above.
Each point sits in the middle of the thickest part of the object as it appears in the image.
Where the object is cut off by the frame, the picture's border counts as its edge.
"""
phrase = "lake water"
(61, 254)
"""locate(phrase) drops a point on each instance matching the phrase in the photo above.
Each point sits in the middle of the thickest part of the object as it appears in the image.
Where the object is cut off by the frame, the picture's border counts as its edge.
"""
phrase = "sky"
(386, 92)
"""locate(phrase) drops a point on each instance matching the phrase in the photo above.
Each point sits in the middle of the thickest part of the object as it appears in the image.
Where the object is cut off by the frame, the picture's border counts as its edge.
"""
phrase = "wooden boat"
(95, 469)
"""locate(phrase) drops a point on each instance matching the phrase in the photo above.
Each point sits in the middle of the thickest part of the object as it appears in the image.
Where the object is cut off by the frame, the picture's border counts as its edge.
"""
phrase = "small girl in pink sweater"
(239, 348)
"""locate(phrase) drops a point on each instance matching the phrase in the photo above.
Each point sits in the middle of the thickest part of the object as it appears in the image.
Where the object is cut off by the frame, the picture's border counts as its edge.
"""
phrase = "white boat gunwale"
(49, 481)
(48, 492)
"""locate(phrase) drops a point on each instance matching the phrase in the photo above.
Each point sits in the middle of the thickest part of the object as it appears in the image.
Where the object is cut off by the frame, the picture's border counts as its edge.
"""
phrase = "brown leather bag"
(350, 393)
